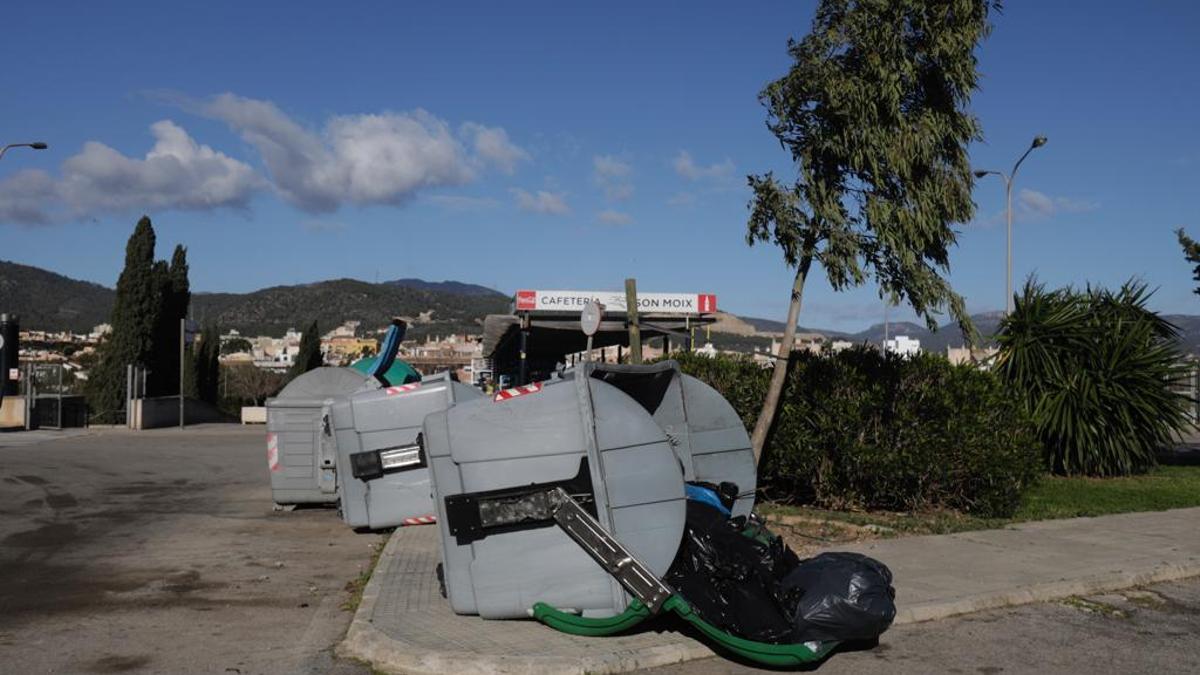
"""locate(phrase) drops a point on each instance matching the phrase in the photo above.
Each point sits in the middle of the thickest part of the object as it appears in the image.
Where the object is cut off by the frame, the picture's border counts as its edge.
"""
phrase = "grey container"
(299, 453)
(590, 438)
(706, 432)
(387, 421)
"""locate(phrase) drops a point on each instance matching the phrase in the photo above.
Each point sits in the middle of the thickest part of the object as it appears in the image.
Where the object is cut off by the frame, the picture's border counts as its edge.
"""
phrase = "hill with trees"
(48, 301)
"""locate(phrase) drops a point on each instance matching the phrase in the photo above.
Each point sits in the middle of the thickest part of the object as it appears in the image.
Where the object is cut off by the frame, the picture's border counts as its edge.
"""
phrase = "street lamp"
(37, 145)
(1038, 141)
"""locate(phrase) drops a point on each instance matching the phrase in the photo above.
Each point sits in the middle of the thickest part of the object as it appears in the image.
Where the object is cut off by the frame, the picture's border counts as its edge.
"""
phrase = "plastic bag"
(732, 580)
(841, 596)
(743, 579)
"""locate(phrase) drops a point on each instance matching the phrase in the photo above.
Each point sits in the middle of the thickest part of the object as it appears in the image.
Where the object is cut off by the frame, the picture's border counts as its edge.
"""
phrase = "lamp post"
(38, 145)
(1038, 141)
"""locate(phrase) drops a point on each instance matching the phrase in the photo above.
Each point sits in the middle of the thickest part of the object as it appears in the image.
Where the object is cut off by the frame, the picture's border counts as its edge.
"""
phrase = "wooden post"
(523, 370)
(635, 332)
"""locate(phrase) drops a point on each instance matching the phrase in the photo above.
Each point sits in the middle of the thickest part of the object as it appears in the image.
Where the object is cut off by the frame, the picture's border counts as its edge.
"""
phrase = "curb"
(367, 643)
(1044, 592)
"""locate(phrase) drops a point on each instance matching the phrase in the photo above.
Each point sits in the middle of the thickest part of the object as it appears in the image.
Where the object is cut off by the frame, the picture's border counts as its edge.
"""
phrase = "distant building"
(803, 342)
(840, 345)
(902, 345)
(237, 359)
(342, 344)
(980, 355)
(453, 352)
(347, 329)
(275, 353)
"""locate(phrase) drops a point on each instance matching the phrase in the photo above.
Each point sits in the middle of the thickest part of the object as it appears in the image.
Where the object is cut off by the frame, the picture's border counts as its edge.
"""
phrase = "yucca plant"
(1095, 369)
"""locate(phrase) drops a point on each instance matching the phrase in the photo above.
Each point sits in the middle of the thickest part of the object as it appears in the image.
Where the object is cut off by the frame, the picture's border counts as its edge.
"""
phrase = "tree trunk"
(771, 403)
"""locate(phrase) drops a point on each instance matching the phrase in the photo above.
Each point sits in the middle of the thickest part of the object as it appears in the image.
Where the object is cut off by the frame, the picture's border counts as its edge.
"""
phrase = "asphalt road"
(1150, 630)
(160, 552)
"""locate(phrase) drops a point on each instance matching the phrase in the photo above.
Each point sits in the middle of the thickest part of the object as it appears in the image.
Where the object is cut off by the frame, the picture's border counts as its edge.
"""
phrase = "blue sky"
(552, 145)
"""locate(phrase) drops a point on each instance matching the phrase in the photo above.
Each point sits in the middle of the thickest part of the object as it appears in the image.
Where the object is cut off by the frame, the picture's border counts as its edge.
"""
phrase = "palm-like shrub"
(1095, 370)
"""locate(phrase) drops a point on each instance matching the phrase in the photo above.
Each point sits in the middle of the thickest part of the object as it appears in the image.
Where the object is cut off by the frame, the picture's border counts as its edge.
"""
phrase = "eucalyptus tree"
(874, 112)
(1191, 251)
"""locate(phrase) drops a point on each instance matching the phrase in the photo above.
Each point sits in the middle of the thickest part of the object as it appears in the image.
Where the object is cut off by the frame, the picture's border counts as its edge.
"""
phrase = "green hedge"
(863, 430)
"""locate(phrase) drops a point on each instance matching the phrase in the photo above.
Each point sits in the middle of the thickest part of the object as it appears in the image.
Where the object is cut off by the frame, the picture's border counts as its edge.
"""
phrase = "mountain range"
(49, 301)
(45, 300)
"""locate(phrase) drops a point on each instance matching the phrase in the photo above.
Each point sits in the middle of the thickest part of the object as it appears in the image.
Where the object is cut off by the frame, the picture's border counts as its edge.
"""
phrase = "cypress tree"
(134, 320)
(309, 354)
(207, 364)
(191, 385)
(174, 297)
(163, 359)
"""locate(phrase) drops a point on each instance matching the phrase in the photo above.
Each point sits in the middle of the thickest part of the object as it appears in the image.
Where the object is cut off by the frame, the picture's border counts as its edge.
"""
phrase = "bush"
(1095, 369)
(861, 429)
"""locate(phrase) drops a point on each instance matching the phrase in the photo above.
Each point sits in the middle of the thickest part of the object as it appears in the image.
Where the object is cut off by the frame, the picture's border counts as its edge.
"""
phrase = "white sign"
(589, 318)
(614, 301)
(14, 374)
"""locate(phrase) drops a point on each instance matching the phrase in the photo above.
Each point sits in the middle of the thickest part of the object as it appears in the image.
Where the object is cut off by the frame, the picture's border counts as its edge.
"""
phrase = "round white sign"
(589, 317)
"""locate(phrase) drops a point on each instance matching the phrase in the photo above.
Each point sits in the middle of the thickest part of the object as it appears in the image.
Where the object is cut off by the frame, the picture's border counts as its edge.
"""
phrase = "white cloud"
(177, 173)
(360, 159)
(613, 177)
(550, 203)
(27, 197)
(1033, 206)
(492, 145)
(1036, 203)
(685, 166)
(370, 159)
(464, 203)
(611, 217)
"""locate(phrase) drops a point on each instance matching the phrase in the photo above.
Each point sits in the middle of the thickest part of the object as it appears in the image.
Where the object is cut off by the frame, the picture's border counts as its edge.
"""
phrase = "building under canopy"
(545, 325)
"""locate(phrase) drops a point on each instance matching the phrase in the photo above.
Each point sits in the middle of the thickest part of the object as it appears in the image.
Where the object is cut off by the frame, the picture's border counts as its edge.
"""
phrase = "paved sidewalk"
(943, 575)
(404, 625)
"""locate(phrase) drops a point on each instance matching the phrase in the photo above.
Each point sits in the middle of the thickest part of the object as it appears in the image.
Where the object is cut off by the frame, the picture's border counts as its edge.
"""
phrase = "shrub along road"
(160, 552)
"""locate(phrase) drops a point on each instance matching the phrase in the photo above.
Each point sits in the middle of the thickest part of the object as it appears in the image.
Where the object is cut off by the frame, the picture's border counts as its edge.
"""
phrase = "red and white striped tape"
(273, 453)
(402, 389)
(420, 520)
(505, 394)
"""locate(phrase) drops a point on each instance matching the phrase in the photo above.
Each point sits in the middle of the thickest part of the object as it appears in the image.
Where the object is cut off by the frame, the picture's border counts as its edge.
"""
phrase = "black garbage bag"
(743, 579)
(731, 579)
(841, 596)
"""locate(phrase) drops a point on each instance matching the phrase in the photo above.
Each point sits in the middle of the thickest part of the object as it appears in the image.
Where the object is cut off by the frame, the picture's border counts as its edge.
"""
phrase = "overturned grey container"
(705, 431)
(300, 455)
(381, 478)
(493, 462)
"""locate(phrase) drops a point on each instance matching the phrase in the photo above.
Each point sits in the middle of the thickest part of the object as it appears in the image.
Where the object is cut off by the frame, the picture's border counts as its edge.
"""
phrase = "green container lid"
(399, 373)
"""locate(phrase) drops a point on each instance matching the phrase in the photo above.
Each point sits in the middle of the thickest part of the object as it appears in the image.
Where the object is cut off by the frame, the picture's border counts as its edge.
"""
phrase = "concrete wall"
(12, 412)
(155, 413)
(256, 414)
